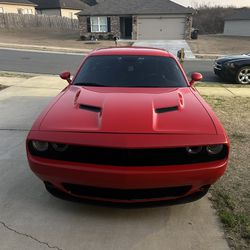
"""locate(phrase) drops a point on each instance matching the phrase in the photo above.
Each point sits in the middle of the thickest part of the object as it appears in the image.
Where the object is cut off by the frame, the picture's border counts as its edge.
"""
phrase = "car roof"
(146, 51)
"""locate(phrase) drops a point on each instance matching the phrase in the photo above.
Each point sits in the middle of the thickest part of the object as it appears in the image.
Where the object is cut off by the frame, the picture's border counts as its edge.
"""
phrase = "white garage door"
(160, 28)
(237, 28)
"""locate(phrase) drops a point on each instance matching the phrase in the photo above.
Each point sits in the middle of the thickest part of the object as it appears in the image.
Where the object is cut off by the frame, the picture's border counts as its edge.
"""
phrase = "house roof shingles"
(25, 2)
(128, 7)
(60, 4)
(243, 14)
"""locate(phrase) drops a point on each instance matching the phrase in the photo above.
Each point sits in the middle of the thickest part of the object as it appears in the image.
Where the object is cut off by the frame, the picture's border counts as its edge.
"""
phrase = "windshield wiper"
(89, 84)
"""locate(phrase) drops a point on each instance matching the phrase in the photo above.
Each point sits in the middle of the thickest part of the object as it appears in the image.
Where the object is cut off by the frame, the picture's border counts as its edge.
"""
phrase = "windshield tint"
(130, 71)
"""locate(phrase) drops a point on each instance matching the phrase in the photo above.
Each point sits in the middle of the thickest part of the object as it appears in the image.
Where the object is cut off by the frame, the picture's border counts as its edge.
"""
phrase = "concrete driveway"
(31, 218)
(169, 45)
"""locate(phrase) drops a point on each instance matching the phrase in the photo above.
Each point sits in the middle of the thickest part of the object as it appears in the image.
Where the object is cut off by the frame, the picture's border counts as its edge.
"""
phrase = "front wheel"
(243, 75)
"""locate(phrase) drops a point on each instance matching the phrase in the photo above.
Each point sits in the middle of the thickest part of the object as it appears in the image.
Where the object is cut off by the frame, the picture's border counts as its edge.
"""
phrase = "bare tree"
(210, 20)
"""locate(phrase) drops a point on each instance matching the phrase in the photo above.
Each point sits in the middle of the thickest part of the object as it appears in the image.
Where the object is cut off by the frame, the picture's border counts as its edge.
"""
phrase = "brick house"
(136, 19)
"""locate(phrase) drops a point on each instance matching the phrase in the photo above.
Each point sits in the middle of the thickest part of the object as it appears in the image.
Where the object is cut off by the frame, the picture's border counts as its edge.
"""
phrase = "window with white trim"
(99, 24)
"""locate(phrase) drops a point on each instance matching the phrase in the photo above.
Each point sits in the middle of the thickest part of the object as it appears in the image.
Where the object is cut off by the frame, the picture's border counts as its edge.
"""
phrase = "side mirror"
(66, 76)
(195, 78)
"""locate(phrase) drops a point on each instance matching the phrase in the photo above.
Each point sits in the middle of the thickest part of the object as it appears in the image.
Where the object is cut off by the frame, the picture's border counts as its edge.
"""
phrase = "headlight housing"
(214, 149)
(40, 146)
(58, 147)
(194, 150)
(45, 148)
(209, 150)
(230, 65)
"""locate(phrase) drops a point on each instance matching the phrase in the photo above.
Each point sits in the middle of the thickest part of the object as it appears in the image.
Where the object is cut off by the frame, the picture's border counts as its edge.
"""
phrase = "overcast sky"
(237, 3)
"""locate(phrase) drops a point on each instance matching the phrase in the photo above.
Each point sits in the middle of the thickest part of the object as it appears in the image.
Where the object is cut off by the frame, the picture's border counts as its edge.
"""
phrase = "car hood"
(233, 58)
(128, 110)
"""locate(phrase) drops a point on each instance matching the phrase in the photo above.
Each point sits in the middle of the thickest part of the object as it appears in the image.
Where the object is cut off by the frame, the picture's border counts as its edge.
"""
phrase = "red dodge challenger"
(129, 128)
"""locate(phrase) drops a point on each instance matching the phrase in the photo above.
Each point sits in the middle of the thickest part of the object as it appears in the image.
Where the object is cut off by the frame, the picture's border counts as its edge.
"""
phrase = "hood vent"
(165, 110)
(90, 108)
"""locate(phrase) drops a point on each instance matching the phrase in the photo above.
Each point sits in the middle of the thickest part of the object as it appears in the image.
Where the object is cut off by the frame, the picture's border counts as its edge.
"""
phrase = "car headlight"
(194, 150)
(59, 147)
(40, 146)
(214, 149)
(230, 65)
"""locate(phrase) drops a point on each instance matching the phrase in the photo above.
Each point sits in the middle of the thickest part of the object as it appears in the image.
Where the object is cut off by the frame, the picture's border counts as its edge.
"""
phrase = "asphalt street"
(55, 63)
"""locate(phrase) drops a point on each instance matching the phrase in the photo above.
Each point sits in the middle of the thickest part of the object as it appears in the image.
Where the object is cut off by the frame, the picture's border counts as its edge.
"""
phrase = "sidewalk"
(224, 91)
(35, 86)
(54, 82)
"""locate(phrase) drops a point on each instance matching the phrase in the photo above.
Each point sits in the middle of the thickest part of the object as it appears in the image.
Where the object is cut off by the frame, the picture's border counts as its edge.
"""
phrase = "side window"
(1, 9)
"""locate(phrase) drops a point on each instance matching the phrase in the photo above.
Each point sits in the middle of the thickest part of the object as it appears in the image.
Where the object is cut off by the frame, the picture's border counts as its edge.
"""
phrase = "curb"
(19, 74)
(208, 56)
(13, 46)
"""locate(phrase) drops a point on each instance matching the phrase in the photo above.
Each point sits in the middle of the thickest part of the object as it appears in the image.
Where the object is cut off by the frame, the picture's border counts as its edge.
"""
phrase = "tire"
(243, 75)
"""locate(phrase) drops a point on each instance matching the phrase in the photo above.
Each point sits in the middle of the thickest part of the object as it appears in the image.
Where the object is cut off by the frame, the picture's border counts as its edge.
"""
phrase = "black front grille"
(126, 194)
(129, 157)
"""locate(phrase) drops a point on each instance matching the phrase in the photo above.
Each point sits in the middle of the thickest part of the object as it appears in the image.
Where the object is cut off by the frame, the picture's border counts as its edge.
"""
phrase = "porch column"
(115, 25)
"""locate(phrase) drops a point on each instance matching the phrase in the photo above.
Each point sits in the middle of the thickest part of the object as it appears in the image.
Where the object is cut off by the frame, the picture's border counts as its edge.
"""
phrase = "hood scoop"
(174, 104)
(90, 108)
(166, 109)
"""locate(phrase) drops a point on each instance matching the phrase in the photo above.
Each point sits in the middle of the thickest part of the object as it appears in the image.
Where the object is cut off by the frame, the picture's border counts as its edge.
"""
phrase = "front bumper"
(127, 184)
(225, 72)
(122, 179)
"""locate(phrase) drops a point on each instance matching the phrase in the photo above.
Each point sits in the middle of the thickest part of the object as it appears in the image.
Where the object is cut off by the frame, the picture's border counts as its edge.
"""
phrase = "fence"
(19, 21)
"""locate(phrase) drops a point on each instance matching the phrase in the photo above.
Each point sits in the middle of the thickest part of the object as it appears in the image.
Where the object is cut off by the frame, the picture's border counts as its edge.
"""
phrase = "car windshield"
(130, 71)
